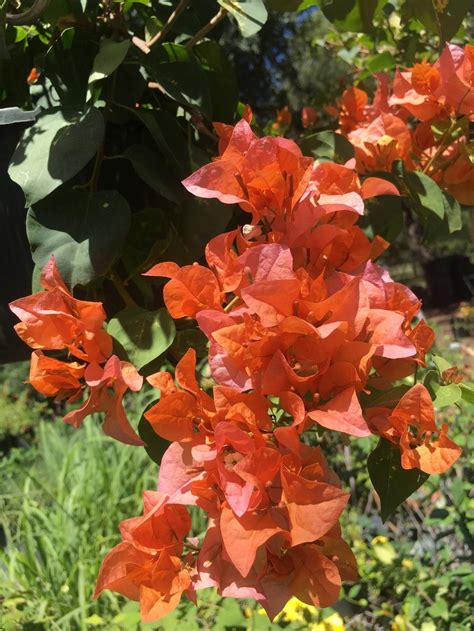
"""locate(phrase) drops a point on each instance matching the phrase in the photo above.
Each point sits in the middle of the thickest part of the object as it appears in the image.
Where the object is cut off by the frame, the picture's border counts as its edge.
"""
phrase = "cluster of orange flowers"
(422, 118)
(53, 320)
(303, 327)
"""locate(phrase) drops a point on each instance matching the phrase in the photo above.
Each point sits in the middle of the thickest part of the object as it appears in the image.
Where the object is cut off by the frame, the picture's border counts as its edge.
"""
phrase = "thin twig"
(122, 291)
(169, 23)
(220, 15)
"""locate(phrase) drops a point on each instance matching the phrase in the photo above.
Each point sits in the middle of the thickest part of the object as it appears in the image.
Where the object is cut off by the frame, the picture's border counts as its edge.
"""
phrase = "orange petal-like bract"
(53, 320)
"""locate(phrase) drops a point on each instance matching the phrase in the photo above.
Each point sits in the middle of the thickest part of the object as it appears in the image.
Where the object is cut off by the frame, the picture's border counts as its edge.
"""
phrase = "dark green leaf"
(222, 81)
(452, 210)
(155, 445)
(143, 334)
(149, 237)
(284, 5)
(85, 232)
(426, 195)
(201, 220)
(431, 382)
(385, 398)
(168, 136)
(111, 54)
(53, 150)
(353, 15)
(177, 71)
(392, 483)
(250, 15)
(70, 78)
(445, 18)
(385, 214)
(149, 165)
(327, 144)
(190, 338)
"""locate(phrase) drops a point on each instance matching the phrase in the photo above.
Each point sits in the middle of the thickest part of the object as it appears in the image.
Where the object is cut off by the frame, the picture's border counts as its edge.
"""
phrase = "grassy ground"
(62, 497)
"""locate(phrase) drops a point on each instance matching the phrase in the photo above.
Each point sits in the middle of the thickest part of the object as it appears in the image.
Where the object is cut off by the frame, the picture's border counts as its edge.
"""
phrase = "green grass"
(60, 504)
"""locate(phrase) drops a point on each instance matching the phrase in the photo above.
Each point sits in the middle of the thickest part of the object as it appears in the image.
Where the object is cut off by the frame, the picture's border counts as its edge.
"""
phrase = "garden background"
(63, 491)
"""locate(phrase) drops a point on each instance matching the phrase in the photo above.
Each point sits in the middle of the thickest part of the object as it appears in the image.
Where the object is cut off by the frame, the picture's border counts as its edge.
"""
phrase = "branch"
(220, 15)
(30, 16)
(169, 23)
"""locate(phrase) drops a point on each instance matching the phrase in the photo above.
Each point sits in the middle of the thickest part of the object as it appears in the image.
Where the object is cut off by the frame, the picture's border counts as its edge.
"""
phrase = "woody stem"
(220, 15)
(122, 291)
(442, 146)
(169, 23)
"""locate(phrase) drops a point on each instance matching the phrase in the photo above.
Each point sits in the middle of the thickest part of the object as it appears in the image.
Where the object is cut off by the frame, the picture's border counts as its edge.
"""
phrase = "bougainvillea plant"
(287, 330)
(305, 332)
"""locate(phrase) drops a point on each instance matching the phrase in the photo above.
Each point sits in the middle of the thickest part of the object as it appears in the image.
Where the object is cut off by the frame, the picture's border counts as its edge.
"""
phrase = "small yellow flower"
(294, 611)
(407, 563)
(64, 588)
(334, 622)
(247, 612)
(378, 539)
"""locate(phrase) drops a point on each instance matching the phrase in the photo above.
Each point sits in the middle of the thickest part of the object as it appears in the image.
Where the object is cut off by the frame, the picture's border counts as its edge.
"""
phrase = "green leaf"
(452, 209)
(284, 5)
(155, 446)
(444, 20)
(180, 75)
(431, 382)
(382, 61)
(149, 237)
(385, 398)
(193, 338)
(441, 363)
(250, 15)
(54, 150)
(149, 165)
(200, 221)
(467, 392)
(223, 86)
(353, 15)
(385, 214)
(392, 483)
(447, 395)
(439, 609)
(229, 615)
(426, 195)
(168, 136)
(327, 144)
(68, 77)
(85, 232)
(143, 334)
(111, 54)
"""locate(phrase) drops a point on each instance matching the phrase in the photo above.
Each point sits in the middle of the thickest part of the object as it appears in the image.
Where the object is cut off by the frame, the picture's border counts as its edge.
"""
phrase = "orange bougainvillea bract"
(422, 119)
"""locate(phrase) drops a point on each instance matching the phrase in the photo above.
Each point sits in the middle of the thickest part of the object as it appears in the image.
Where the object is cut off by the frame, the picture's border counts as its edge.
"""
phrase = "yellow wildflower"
(334, 622)
(294, 611)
